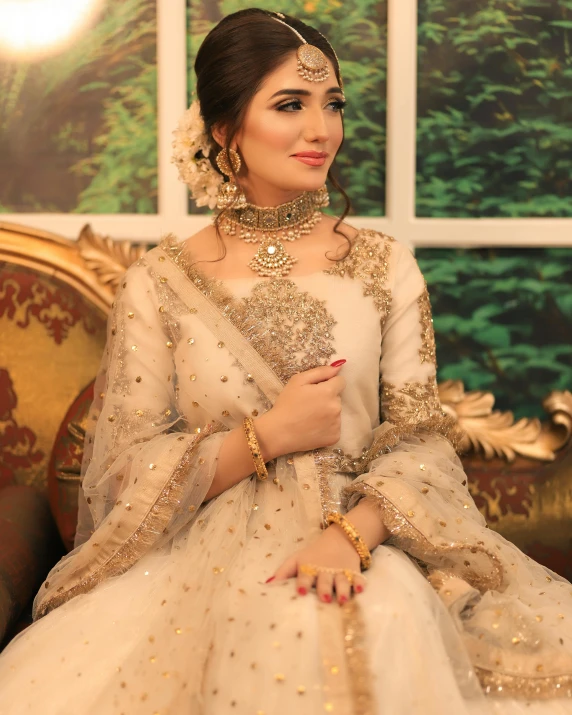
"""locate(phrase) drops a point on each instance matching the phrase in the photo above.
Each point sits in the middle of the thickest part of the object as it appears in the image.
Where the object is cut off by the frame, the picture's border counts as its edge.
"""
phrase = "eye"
(338, 104)
(290, 106)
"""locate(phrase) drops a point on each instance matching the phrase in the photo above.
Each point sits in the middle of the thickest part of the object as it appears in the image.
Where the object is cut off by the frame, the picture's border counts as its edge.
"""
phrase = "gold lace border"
(408, 537)
(142, 538)
(356, 659)
(525, 687)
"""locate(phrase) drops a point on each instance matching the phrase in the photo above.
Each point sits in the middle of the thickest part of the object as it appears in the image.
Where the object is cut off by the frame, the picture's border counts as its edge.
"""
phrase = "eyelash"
(337, 103)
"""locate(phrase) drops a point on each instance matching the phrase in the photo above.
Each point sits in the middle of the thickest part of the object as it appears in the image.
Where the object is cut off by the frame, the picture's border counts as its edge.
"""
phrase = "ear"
(219, 135)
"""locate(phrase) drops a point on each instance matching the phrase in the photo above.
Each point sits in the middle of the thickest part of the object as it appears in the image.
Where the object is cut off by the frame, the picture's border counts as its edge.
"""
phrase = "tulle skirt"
(192, 631)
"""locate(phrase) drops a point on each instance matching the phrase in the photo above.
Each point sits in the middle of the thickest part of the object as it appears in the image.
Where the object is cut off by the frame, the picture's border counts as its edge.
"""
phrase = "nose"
(316, 129)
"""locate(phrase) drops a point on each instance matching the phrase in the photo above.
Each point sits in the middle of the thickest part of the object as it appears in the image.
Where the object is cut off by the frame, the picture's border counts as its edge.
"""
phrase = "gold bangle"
(261, 471)
(357, 542)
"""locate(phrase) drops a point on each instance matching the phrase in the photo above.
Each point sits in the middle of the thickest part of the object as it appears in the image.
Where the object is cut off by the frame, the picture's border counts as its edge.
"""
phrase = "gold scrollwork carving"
(106, 258)
(496, 434)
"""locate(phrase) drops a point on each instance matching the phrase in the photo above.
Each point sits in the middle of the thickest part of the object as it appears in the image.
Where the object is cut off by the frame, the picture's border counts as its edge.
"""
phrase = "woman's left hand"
(333, 550)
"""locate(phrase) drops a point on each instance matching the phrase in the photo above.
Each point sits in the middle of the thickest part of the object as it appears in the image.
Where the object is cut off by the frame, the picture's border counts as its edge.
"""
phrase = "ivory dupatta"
(148, 467)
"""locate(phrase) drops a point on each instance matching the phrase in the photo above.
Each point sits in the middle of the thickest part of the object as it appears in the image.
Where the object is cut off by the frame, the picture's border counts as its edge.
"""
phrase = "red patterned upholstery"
(52, 341)
(18, 443)
(529, 503)
(65, 466)
(53, 327)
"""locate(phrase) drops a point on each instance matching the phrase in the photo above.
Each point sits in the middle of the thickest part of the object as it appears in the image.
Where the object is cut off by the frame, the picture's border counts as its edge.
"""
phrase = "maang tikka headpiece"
(312, 62)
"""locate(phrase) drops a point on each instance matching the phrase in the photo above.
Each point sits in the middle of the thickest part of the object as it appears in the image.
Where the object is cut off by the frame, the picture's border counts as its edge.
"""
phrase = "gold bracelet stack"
(261, 471)
(357, 542)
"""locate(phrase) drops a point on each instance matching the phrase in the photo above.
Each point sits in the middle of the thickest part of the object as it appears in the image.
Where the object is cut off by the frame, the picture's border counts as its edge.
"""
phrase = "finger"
(304, 582)
(287, 570)
(360, 582)
(343, 588)
(325, 586)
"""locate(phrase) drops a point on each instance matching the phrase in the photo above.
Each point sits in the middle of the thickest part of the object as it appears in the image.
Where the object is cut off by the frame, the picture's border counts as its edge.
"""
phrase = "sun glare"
(35, 27)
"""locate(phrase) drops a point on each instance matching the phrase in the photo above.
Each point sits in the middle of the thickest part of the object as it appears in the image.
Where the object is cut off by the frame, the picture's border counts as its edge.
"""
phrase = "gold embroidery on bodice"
(298, 322)
(368, 261)
(288, 327)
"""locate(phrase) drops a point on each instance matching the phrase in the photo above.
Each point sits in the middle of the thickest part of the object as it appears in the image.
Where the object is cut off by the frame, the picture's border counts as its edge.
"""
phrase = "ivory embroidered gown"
(162, 606)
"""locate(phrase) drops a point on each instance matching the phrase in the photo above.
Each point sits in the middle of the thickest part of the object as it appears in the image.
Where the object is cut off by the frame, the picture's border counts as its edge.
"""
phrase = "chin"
(311, 182)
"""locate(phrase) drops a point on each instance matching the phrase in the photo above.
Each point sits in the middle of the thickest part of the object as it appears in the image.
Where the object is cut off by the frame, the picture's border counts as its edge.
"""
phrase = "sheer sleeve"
(497, 596)
(415, 477)
(146, 469)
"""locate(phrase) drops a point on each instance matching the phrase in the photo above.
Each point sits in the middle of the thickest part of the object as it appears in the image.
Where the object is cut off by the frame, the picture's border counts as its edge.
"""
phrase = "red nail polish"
(327, 598)
(302, 591)
(359, 589)
(270, 579)
(342, 600)
(337, 363)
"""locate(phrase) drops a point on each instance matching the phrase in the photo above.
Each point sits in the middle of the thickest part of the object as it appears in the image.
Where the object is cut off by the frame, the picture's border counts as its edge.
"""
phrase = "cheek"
(271, 130)
(337, 134)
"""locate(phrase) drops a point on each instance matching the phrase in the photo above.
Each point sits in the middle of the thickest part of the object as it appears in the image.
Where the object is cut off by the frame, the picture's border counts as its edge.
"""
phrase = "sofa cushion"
(29, 547)
(64, 467)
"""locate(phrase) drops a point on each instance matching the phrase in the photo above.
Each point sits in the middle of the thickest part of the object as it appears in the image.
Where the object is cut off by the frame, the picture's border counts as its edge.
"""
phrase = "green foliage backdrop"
(495, 108)
(503, 321)
(78, 130)
(358, 33)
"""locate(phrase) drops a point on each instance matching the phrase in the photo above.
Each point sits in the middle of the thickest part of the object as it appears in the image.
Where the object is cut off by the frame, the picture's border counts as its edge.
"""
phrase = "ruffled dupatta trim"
(419, 489)
(107, 553)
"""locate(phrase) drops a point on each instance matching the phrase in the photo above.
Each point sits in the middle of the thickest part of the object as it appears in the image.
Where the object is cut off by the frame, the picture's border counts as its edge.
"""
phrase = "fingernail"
(342, 600)
(327, 598)
(359, 589)
(302, 591)
(337, 363)
(270, 579)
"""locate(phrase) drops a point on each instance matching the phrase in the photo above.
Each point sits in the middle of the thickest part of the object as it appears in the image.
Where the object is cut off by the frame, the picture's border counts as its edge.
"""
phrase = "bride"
(274, 519)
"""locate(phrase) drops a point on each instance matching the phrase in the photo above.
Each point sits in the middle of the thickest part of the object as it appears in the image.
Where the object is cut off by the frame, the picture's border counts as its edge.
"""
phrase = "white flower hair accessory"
(191, 147)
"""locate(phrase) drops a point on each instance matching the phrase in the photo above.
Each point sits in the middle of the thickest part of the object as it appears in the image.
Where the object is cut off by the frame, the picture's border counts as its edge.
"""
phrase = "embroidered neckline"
(184, 259)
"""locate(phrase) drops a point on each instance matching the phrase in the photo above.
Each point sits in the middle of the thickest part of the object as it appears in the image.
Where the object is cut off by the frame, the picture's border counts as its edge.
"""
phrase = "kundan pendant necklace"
(270, 226)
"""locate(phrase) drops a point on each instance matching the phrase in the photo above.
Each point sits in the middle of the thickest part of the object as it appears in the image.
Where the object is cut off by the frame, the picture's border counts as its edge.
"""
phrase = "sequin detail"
(503, 685)
(143, 535)
(285, 325)
(360, 676)
(413, 402)
(382, 443)
(406, 536)
(368, 261)
(428, 350)
(327, 462)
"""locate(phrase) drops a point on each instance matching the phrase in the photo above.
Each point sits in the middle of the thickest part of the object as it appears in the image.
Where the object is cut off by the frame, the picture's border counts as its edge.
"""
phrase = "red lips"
(313, 154)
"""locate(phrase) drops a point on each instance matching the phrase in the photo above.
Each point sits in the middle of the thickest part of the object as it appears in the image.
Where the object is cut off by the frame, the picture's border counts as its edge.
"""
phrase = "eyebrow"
(305, 92)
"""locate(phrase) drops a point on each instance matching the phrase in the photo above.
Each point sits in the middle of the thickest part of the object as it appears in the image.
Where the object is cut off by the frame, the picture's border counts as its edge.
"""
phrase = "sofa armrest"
(29, 547)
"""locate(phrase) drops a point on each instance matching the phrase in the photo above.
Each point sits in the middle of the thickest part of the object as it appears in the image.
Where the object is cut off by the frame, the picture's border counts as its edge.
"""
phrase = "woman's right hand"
(307, 413)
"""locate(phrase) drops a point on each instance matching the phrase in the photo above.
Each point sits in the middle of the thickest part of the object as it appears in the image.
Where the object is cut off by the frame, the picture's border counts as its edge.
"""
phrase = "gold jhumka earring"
(229, 193)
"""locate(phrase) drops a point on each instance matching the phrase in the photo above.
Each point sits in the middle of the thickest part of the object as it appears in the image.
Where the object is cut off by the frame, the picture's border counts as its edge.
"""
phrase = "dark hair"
(231, 65)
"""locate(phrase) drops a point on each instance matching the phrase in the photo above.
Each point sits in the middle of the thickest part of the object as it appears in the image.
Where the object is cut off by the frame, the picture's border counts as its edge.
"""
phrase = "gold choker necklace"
(270, 226)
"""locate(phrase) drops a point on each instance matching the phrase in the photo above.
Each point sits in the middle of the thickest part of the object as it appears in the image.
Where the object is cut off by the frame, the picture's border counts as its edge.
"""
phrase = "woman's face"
(289, 117)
